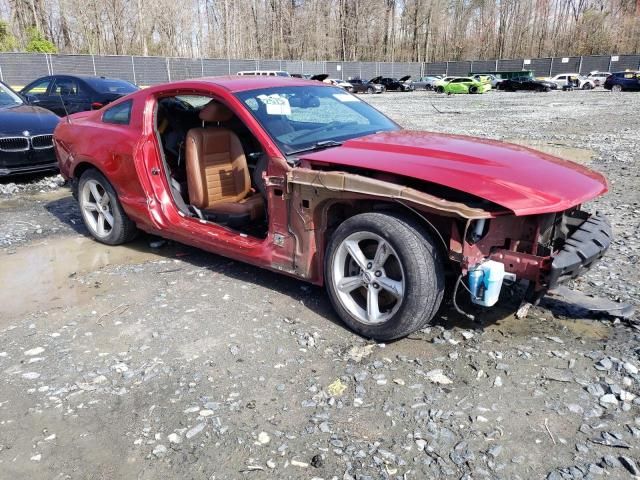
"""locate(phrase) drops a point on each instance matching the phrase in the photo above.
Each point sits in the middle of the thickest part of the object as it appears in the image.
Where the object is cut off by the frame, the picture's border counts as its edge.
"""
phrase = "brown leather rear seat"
(217, 174)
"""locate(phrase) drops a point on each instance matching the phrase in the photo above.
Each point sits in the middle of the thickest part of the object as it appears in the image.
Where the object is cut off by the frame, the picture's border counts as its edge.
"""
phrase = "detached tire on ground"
(384, 275)
(101, 210)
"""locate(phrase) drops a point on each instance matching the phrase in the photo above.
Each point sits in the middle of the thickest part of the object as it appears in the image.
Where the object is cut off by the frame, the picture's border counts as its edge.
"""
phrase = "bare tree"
(367, 30)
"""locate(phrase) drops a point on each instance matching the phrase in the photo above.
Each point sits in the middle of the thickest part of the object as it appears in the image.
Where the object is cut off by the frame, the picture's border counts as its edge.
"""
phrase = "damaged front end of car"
(544, 250)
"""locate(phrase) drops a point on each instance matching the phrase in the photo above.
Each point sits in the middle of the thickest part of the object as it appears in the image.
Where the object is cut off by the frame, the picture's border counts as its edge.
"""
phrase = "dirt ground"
(167, 362)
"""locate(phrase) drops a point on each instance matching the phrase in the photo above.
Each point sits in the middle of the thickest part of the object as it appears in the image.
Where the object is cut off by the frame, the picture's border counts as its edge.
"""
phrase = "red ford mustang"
(307, 179)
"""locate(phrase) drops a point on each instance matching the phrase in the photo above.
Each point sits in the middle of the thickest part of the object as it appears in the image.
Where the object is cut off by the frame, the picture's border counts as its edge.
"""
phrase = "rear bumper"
(581, 251)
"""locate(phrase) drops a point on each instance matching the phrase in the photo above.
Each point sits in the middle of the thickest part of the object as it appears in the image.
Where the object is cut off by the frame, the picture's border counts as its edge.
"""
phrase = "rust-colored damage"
(349, 183)
(510, 240)
(317, 196)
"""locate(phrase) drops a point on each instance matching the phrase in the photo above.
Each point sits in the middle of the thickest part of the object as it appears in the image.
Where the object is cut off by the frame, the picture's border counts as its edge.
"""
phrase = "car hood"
(517, 178)
(17, 119)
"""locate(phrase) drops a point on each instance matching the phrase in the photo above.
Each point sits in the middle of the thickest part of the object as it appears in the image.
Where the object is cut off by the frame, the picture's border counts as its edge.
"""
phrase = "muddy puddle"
(39, 276)
(566, 152)
(37, 197)
(579, 328)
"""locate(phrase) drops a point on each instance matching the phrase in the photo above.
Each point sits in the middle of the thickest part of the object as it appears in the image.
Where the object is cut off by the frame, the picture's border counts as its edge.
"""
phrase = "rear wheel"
(473, 89)
(101, 210)
(384, 275)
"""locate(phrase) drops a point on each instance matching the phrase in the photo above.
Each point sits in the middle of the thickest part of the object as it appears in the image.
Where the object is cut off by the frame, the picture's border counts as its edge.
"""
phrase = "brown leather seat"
(217, 174)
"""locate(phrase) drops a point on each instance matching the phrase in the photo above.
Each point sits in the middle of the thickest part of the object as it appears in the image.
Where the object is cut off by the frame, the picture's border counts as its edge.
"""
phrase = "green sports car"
(463, 85)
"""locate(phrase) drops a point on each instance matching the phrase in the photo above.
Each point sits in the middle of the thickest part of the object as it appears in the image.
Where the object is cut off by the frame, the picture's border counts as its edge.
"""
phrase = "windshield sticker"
(276, 104)
(345, 97)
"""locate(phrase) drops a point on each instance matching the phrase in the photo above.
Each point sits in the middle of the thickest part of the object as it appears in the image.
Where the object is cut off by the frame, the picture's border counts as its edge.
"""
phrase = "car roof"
(85, 77)
(241, 83)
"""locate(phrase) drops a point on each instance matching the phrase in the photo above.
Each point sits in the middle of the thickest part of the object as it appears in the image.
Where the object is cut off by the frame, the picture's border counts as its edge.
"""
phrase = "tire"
(412, 271)
(371, 90)
(98, 202)
(439, 89)
(473, 89)
(587, 86)
(616, 88)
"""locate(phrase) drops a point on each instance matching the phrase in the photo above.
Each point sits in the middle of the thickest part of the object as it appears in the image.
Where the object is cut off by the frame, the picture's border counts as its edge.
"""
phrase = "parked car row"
(28, 117)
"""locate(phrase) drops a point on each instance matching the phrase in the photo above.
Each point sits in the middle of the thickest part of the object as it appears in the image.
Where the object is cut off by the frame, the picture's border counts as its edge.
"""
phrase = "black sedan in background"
(26, 135)
(526, 83)
(393, 84)
(78, 93)
(362, 86)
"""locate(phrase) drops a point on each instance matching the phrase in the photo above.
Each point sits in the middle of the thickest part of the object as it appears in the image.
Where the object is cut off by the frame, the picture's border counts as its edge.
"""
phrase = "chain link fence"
(18, 69)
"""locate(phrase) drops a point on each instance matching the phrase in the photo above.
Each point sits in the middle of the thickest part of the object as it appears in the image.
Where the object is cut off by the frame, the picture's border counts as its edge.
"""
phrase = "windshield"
(8, 97)
(300, 117)
(111, 85)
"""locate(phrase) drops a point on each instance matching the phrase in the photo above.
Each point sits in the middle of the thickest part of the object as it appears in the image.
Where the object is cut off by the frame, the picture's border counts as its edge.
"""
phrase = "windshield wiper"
(317, 146)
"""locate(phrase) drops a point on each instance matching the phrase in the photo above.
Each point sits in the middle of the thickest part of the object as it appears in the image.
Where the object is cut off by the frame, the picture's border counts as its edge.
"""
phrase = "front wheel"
(439, 89)
(101, 210)
(384, 275)
(616, 88)
(371, 90)
(587, 86)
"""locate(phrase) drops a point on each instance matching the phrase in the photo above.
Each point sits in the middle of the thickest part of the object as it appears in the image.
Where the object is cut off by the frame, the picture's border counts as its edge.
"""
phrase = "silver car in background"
(426, 83)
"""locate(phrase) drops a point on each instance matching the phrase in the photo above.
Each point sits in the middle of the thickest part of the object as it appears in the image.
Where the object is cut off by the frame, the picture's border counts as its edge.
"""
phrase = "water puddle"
(566, 152)
(39, 276)
(38, 197)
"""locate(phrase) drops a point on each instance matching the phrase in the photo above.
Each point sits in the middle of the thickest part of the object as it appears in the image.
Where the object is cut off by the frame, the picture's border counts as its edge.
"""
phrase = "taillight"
(96, 106)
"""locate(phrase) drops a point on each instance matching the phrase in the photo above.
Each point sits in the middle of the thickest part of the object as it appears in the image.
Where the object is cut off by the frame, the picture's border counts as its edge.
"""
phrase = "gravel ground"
(167, 362)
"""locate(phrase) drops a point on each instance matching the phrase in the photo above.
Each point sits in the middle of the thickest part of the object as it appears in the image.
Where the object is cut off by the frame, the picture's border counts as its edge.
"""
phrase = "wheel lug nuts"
(369, 265)
(378, 273)
(375, 285)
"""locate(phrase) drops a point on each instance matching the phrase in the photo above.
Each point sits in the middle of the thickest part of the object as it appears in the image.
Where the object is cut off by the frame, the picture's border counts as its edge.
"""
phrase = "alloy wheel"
(369, 277)
(96, 207)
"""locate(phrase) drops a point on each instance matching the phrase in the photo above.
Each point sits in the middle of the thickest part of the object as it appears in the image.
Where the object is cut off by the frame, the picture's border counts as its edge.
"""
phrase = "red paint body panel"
(518, 178)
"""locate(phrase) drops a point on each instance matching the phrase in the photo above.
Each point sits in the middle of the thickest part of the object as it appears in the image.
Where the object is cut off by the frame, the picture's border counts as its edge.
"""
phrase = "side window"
(119, 114)
(39, 88)
(66, 87)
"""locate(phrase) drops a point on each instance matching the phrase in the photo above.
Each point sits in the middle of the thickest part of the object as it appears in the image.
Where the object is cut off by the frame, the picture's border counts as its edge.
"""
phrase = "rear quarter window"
(119, 114)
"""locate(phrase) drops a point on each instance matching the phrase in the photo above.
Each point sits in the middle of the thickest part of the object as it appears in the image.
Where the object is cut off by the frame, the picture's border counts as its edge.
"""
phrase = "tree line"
(348, 30)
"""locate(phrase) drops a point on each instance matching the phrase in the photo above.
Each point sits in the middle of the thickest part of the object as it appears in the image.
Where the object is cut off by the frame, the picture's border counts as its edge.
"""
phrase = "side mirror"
(31, 98)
